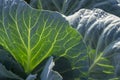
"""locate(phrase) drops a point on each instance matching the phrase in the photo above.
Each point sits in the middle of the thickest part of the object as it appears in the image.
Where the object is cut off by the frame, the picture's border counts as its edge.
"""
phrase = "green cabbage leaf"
(31, 35)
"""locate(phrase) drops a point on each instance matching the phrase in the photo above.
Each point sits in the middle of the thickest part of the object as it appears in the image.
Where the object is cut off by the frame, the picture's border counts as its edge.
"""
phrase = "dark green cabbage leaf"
(36, 4)
(69, 7)
(9, 68)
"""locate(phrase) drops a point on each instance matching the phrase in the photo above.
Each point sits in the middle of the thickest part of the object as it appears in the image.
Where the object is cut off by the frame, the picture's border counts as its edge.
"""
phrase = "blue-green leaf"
(31, 77)
(10, 64)
(101, 34)
(69, 7)
(4, 73)
(48, 73)
(36, 4)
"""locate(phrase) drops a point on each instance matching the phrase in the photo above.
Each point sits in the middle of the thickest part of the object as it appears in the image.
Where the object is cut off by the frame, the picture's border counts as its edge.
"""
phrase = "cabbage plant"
(54, 40)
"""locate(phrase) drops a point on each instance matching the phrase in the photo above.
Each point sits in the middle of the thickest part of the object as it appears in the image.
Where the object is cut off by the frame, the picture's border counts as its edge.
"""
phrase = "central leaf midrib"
(29, 46)
(29, 54)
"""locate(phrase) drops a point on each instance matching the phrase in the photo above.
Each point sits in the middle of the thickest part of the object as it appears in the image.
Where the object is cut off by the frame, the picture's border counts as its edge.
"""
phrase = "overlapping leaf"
(100, 31)
(9, 68)
(31, 36)
(36, 4)
(4, 73)
(48, 73)
(69, 7)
